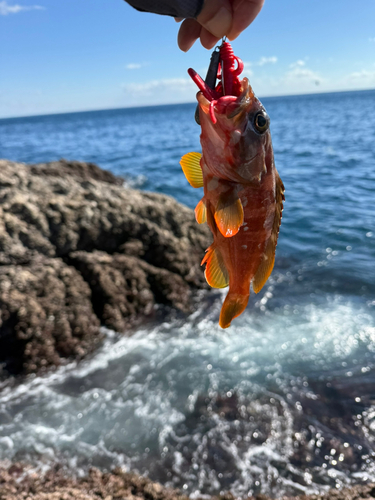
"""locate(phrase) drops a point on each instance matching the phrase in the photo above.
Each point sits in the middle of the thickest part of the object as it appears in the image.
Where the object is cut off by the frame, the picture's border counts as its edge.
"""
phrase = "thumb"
(216, 17)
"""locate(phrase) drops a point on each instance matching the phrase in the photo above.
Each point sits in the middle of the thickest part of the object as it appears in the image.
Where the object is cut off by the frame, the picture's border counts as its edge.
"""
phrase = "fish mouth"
(243, 101)
(234, 107)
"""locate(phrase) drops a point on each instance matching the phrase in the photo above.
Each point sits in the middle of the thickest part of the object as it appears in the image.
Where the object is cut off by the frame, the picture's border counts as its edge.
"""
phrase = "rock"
(18, 482)
(81, 171)
(125, 288)
(45, 315)
(79, 249)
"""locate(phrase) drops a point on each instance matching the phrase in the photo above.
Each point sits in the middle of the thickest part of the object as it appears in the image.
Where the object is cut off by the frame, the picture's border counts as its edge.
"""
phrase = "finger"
(178, 19)
(216, 17)
(208, 40)
(190, 31)
(244, 13)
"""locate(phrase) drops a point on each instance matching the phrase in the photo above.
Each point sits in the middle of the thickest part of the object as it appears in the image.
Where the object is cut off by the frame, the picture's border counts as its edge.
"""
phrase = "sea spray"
(194, 407)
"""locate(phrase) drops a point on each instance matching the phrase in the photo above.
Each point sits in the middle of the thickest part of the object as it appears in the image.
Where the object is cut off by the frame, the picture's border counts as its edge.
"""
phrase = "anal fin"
(216, 273)
(266, 266)
(201, 212)
(229, 214)
(190, 164)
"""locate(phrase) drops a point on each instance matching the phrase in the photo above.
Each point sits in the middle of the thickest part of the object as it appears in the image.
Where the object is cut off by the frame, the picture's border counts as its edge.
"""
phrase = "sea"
(282, 402)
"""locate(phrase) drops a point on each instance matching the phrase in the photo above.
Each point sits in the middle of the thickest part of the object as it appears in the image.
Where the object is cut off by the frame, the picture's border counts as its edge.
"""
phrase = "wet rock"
(301, 448)
(79, 249)
(125, 288)
(45, 315)
(357, 492)
(19, 482)
(328, 430)
(81, 171)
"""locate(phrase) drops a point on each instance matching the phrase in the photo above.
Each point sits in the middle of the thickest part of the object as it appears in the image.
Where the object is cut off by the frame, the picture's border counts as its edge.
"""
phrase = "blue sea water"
(283, 401)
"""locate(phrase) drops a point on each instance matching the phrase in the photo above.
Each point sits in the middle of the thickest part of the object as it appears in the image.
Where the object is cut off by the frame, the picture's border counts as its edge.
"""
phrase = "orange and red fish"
(243, 193)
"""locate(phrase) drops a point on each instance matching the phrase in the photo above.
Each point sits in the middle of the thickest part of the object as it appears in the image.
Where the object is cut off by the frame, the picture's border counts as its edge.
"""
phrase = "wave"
(280, 403)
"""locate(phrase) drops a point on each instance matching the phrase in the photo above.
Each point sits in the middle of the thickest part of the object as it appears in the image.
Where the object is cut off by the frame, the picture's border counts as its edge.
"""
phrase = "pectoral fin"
(191, 167)
(265, 267)
(216, 273)
(201, 212)
(229, 215)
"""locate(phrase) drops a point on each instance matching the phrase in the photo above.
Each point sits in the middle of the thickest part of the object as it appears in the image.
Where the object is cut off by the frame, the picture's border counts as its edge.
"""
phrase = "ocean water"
(284, 400)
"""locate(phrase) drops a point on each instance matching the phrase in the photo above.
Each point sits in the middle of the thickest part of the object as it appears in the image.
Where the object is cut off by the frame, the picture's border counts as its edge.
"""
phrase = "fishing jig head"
(225, 67)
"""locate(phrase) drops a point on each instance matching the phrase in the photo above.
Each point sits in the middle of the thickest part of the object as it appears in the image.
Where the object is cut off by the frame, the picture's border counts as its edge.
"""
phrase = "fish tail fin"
(234, 305)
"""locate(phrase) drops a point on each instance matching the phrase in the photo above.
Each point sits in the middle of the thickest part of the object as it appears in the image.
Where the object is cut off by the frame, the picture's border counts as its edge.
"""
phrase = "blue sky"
(73, 55)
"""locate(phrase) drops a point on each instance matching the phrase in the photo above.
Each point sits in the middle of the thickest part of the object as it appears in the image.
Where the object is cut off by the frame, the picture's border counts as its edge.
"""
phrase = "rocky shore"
(18, 482)
(80, 250)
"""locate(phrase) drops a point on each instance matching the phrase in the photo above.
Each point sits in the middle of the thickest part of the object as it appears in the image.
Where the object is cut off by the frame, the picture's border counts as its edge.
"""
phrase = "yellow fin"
(201, 212)
(229, 215)
(216, 273)
(191, 167)
(265, 267)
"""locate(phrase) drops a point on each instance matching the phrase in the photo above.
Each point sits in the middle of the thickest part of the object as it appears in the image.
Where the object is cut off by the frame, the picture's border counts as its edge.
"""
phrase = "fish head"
(235, 138)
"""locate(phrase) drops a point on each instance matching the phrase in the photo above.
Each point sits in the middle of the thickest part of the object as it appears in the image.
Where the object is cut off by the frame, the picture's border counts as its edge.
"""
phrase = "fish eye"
(261, 122)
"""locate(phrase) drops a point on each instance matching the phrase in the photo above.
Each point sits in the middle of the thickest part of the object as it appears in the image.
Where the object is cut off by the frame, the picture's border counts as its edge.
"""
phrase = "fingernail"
(185, 45)
(220, 24)
(232, 37)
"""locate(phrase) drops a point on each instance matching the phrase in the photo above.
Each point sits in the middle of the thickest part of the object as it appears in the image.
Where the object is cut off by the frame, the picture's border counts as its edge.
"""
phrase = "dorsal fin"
(201, 212)
(216, 273)
(191, 167)
(265, 267)
(229, 214)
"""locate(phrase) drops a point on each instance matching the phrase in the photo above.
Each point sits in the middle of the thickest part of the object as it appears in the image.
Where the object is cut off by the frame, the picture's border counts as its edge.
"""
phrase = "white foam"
(139, 393)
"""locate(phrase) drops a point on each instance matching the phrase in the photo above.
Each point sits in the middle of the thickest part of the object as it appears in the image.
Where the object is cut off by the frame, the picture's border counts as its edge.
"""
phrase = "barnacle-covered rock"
(80, 249)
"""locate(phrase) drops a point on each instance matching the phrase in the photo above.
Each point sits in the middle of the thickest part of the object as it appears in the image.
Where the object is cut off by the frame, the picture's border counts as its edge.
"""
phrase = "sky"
(77, 55)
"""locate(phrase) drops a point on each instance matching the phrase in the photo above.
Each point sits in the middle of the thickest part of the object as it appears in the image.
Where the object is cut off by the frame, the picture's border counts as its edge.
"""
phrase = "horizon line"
(137, 106)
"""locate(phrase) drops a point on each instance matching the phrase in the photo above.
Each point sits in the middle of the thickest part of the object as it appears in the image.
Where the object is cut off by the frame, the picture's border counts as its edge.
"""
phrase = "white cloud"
(297, 64)
(133, 66)
(162, 91)
(267, 60)
(6, 9)
(300, 73)
(262, 61)
(364, 77)
(169, 85)
(295, 78)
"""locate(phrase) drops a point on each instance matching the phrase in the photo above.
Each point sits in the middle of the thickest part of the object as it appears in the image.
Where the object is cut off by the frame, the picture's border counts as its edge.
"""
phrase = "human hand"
(218, 18)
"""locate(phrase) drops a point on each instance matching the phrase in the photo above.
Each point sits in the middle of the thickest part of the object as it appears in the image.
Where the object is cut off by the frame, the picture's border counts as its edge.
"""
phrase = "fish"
(243, 192)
